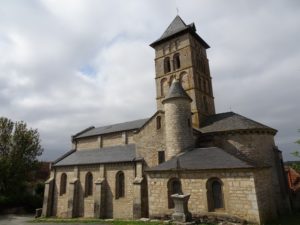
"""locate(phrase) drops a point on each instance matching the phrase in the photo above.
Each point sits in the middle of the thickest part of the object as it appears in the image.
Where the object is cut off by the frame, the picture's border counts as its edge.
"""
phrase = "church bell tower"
(180, 53)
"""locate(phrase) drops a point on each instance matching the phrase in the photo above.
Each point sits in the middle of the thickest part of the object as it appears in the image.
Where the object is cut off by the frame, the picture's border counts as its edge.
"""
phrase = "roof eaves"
(83, 131)
(205, 169)
(63, 156)
(108, 162)
(234, 131)
(183, 31)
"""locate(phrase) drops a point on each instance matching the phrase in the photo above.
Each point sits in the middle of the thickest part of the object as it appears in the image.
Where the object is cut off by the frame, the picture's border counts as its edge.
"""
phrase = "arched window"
(88, 184)
(120, 185)
(167, 65)
(215, 194)
(176, 61)
(205, 103)
(158, 122)
(63, 184)
(174, 187)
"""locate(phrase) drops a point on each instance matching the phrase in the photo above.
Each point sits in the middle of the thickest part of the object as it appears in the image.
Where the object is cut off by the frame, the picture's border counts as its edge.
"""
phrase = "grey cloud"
(254, 59)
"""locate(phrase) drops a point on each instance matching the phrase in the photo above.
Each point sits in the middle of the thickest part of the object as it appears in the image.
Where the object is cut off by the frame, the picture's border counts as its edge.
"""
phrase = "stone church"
(227, 163)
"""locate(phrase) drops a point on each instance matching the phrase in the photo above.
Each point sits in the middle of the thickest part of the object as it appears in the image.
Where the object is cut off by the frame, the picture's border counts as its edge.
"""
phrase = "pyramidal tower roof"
(176, 91)
(177, 27)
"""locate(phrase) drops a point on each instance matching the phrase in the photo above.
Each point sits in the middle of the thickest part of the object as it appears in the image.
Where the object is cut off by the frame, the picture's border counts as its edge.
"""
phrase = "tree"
(19, 149)
(296, 153)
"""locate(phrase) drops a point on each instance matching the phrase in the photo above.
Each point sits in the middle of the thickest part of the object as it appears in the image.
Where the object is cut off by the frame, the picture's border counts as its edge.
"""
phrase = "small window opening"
(161, 157)
(158, 122)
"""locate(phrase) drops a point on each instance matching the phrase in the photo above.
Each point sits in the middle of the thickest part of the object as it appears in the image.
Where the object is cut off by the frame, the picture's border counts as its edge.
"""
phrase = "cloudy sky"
(66, 65)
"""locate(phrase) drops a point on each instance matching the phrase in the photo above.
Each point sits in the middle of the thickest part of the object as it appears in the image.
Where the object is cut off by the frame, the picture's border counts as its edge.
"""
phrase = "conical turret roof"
(176, 91)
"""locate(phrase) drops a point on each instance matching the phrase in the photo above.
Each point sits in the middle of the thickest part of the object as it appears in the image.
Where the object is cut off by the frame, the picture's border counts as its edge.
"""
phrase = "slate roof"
(176, 91)
(230, 121)
(203, 159)
(178, 26)
(122, 153)
(131, 125)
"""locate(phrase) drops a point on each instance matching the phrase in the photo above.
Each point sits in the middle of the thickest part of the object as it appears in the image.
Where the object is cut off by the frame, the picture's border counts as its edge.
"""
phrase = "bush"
(25, 200)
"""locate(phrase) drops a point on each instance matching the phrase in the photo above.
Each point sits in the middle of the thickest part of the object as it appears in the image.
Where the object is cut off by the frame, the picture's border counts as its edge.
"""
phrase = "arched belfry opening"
(176, 61)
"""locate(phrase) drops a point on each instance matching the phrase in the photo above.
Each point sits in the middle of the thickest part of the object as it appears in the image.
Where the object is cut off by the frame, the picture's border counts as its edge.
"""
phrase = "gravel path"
(15, 219)
(22, 220)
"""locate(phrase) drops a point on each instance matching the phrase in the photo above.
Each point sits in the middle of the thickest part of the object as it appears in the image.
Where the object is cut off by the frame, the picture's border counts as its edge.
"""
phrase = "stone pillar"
(99, 195)
(97, 199)
(48, 197)
(71, 212)
(137, 191)
(72, 195)
(181, 213)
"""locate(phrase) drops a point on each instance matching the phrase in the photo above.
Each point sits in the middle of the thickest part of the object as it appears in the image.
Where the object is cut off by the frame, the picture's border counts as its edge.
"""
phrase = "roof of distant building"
(114, 154)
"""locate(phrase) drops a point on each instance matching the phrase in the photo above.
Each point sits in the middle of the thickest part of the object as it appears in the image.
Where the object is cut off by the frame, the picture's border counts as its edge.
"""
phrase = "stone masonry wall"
(86, 203)
(88, 143)
(122, 207)
(260, 148)
(150, 140)
(112, 139)
(263, 186)
(60, 203)
(105, 140)
(113, 208)
(238, 190)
